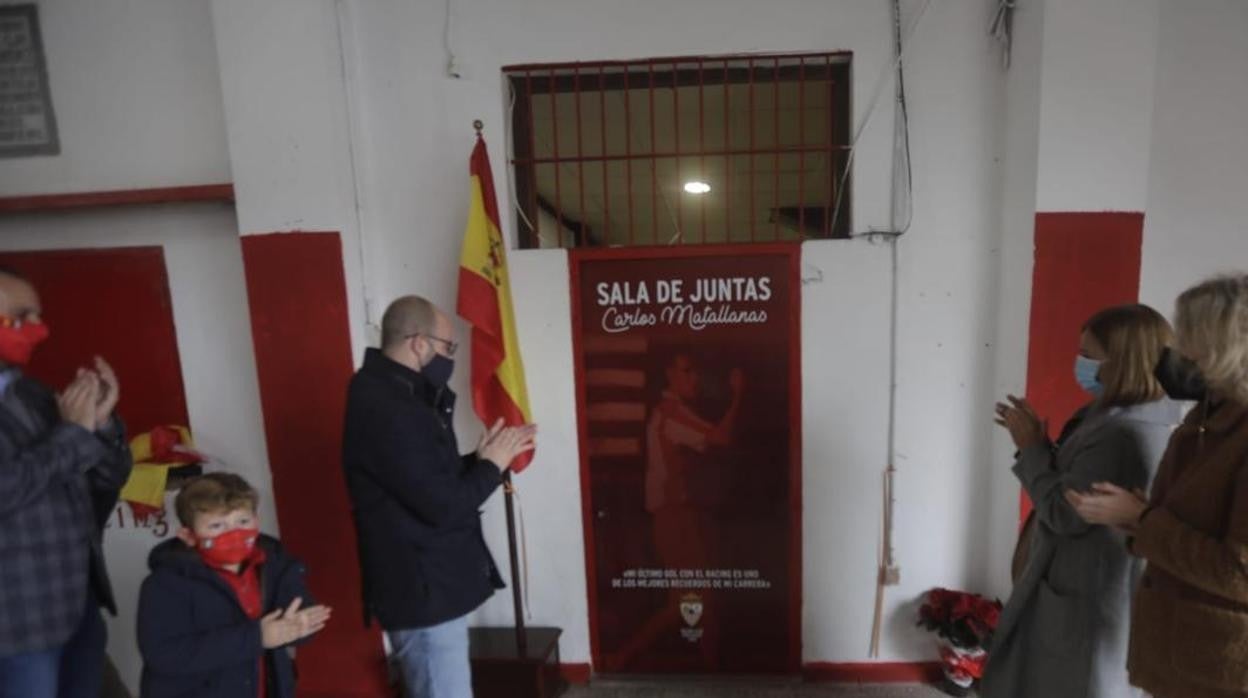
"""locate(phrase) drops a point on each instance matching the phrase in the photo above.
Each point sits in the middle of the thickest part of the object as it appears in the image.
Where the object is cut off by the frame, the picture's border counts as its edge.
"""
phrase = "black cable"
(905, 119)
(905, 133)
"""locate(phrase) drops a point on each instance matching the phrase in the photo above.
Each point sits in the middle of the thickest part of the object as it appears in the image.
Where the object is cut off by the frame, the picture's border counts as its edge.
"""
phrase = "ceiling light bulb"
(697, 187)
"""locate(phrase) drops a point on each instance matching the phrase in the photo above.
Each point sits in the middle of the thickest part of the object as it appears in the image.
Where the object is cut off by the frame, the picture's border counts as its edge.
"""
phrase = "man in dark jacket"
(415, 499)
(63, 461)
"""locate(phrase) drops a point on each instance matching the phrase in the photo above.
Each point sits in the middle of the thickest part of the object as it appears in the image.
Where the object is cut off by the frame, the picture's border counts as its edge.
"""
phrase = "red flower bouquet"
(965, 623)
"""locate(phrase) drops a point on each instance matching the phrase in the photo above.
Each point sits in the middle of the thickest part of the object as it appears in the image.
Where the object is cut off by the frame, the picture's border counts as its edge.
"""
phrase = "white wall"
(290, 133)
(137, 98)
(1197, 221)
(844, 432)
(948, 316)
(1097, 106)
(213, 328)
(1016, 254)
(415, 130)
(415, 123)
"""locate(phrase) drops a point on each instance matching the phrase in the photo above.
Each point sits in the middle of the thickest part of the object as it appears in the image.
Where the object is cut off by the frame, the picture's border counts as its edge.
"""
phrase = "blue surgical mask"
(1086, 371)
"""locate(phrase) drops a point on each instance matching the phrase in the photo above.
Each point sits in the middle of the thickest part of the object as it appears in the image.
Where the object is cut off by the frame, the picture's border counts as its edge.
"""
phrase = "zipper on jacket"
(1204, 420)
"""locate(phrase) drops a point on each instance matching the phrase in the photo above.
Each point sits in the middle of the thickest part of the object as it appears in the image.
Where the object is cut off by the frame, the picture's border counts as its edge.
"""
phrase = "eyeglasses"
(451, 347)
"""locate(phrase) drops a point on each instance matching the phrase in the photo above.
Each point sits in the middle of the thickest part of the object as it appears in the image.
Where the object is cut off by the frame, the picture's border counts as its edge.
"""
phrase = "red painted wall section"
(122, 197)
(298, 300)
(1084, 263)
(113, 302)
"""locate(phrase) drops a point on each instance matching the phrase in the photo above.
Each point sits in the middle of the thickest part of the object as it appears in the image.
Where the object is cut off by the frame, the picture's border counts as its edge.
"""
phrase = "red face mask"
(229, 548)
(18, 343)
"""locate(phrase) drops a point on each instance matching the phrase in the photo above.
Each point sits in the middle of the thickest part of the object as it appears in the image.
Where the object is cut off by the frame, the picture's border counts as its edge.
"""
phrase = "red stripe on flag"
(479, 167)
(487, 348)
(478, 304)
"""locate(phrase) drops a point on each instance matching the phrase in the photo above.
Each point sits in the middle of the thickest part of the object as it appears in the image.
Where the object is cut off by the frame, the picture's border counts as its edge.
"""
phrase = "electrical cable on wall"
(452, 68)
(901, 138)
(371, 321)
(511, 171)
(890, 71)
(1002, 28)
(888, 573)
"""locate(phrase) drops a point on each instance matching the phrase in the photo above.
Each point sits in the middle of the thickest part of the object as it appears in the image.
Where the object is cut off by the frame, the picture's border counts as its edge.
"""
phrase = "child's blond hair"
(214, 493)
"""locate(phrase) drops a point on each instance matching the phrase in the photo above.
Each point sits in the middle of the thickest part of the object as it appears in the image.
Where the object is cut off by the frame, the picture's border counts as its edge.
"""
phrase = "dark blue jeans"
(75, 670)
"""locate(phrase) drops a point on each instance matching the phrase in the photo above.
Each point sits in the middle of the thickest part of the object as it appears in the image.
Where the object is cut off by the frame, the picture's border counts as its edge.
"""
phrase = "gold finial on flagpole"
(478, 126)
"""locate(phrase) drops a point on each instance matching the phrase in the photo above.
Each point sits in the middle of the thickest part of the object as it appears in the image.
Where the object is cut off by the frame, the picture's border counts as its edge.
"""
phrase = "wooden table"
(501, 670)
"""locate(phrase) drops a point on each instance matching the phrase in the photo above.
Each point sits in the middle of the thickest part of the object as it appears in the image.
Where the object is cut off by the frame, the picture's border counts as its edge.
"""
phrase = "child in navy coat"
(223, 603)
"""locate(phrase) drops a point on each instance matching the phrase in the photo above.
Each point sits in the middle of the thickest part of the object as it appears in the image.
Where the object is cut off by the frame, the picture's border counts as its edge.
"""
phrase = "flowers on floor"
(966, 620)
(964, 624)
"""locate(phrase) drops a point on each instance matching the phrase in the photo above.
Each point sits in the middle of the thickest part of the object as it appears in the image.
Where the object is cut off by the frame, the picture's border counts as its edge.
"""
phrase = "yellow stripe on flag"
(146, 485)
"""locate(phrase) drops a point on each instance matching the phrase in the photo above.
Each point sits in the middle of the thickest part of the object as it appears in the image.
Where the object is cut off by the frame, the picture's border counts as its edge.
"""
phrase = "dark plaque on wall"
(27, 124)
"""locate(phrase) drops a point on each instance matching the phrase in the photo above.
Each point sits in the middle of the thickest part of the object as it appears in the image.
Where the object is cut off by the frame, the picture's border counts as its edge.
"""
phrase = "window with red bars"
(681, 150)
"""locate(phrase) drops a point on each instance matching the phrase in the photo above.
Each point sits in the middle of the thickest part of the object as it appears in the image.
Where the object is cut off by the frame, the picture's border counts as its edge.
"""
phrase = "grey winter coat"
(1063, 633)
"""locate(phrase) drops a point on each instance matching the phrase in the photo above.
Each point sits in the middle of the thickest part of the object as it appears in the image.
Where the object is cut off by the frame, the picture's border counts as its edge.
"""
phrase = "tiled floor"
(744, 689)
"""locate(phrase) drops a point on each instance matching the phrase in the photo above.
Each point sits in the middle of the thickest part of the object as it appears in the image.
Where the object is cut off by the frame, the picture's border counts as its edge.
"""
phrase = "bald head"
(407, 316)
(413, 330)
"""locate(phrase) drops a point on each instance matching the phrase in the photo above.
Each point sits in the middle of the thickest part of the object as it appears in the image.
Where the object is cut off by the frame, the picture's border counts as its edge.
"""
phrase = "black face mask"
(438, 371)
(1180, 377)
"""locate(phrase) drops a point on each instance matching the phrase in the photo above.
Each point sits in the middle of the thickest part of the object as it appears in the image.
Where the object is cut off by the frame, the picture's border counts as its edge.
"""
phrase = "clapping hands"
(1109, 505)
(1020, 419)
(293, 623)
(502, 444)
(91, 397)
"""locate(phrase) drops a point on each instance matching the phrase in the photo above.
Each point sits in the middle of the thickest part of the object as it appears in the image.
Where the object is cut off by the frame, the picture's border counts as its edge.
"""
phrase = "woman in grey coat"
(1063, 633)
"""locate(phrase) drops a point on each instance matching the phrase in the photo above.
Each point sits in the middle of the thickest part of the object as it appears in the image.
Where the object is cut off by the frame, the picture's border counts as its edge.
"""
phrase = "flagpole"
(517, 594)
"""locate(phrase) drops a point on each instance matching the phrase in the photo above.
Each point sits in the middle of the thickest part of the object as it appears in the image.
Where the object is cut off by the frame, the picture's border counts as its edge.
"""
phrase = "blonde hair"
(214, 493)
(1212, 321)
(1133, 337)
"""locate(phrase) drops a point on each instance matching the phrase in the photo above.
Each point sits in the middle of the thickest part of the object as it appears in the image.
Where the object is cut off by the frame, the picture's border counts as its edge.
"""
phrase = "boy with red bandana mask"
(223, 603)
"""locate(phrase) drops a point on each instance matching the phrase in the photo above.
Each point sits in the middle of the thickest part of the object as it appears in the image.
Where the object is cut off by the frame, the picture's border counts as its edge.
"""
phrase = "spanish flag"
(498, 388)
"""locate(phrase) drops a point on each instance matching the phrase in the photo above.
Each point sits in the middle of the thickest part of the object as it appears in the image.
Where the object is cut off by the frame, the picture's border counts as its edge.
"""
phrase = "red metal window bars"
(680, 150)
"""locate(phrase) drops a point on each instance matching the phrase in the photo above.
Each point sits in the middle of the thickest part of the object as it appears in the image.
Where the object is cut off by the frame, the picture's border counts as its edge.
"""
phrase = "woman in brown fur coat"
(1189, 634)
